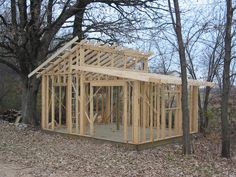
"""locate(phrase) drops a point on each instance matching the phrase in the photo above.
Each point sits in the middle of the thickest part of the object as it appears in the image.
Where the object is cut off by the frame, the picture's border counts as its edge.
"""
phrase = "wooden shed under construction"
(105, 91)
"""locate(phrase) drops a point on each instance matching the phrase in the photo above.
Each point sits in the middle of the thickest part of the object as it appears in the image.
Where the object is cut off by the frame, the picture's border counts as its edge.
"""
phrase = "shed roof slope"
(70, 47)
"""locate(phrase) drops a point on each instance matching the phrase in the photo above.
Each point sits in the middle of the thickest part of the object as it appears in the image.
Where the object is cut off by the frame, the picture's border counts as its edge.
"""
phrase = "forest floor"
(31, 152)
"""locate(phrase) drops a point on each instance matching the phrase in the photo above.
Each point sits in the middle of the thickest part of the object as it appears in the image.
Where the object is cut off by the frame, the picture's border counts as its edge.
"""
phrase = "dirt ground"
(32, 152)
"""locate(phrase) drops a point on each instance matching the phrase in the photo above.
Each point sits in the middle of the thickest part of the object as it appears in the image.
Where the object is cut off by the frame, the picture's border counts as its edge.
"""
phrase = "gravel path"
(31, 152)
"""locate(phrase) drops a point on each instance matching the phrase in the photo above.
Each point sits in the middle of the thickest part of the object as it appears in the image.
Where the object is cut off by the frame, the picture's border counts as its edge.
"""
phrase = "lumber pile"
(11, 115)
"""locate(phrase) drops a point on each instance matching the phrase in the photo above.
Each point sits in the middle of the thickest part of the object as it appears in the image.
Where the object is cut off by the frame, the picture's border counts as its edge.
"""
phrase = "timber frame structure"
(105, 91)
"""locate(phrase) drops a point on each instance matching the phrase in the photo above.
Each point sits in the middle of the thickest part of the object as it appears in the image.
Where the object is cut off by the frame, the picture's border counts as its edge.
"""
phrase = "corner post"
(43, 101)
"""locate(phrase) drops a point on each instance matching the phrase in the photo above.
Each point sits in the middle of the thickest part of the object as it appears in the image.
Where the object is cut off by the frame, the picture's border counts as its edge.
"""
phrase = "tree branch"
(10, 65)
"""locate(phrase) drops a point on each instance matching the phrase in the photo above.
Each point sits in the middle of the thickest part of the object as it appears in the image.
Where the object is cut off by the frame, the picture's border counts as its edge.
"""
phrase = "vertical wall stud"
(136, 114)
(125, 112)
(91, 123)
(53, 103)
(163, 113)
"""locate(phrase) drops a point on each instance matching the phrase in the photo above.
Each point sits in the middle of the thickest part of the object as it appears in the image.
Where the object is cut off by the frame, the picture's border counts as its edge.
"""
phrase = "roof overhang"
(140, 75)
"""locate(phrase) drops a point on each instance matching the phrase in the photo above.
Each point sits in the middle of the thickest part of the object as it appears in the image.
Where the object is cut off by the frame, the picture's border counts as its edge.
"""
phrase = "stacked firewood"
(10, 115)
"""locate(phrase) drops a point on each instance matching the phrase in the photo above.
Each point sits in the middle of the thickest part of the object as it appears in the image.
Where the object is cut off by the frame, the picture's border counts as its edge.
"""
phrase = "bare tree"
(183, 64)
(226, 82)
(212, 58)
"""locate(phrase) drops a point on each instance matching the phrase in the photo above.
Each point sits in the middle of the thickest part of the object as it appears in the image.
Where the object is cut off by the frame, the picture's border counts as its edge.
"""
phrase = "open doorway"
(110, 112)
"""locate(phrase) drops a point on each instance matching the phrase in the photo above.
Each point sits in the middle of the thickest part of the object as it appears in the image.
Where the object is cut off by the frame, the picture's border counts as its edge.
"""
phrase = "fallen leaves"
(55, 155)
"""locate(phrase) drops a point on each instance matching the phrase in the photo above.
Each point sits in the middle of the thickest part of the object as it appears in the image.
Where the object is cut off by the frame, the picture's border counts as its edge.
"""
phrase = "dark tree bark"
(29, 101)
(78, 23)
(183, 65)
(226, 83)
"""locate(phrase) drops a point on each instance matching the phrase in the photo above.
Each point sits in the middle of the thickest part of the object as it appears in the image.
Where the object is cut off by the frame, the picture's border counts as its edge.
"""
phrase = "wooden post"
(82, 105)
(103, 115)
(77, 104)
(82, 96)
(170, 123)
(163, 113)
(125, 112)
(117, 108)
(53, 103)
(180, 111)
(43, 103)
(91, 122)
(136, 114)
(111, 106)
(97, 102)
(129, 105)
(148, 107)
(155, 105)
(69, 103)
(108, 104)
(47, 102)
(60, 105)
(190, 101)
(176, 120)
(158, 111)
(195, 108)
(151, 111)
(144, 110)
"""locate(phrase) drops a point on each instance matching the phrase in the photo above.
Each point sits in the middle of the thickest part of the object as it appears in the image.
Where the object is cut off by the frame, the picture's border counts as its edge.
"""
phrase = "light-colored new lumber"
(195, 109)
(53, 104)
(190, 108)
(47, 102)
(60, 105)
(144, 110)
(91, 122)
(136, 114)
(82, 96)
(69, 103)
(109, 50)
(158, 110)
(113, 72)
(108, 83)
(170, 123)
(163, 114)
(125, 111)
(43, 104)
(180, 112)
(140, 76)
(108, 104)
(77, 104)
(151, 112)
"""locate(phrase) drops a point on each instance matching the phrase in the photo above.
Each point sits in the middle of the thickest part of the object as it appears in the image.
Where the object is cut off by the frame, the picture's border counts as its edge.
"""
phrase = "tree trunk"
(205, 107)
(226, 84)
(29, 101)
(183, 65)
(78, 22)
(204, 119)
